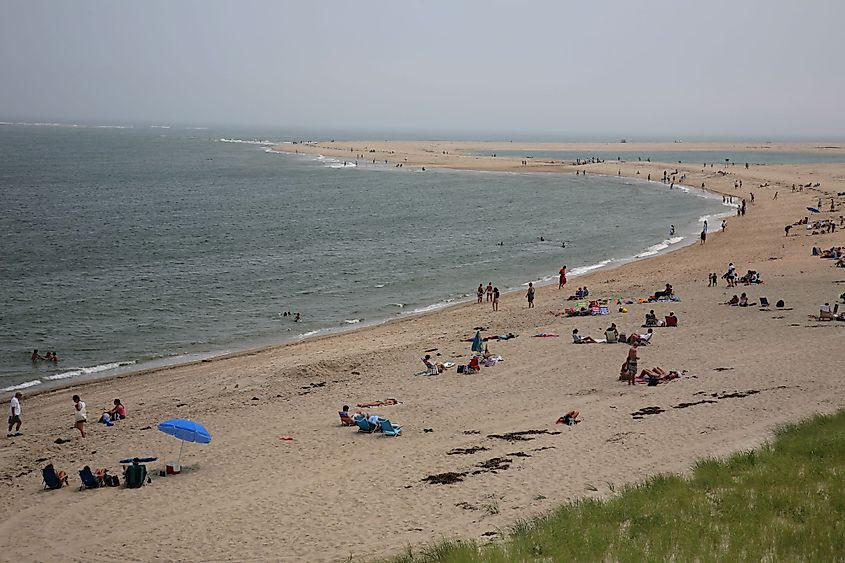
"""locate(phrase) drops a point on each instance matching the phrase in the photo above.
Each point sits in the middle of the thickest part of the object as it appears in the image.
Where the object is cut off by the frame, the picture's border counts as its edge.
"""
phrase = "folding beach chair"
(364, 425)
(610, 336)
(51, 480)
(89, 480)
(135, 476)
(764, 301)
(389, 429)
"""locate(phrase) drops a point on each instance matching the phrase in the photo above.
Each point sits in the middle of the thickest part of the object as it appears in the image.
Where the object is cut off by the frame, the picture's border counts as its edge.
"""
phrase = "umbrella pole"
(179, 461)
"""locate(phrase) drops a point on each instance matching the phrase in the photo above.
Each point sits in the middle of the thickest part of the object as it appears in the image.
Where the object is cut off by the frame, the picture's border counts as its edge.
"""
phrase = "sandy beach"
(332, 493)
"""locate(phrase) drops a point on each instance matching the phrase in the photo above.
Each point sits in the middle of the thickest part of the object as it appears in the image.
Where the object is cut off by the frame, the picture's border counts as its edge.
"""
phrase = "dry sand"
(332, 493)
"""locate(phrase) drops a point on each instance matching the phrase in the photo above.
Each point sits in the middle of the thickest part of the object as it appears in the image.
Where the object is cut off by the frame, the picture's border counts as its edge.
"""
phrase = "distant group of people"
(48, 357)
(80, 414)
(296, 316)
(492, 294)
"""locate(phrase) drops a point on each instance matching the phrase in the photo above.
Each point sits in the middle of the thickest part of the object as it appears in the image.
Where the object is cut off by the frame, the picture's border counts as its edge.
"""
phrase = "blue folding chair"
(389, 429)
(51, 479)
(364, 425)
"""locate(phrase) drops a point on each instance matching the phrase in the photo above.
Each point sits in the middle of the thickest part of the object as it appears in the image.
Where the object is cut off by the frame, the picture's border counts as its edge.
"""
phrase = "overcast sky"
(635, 69)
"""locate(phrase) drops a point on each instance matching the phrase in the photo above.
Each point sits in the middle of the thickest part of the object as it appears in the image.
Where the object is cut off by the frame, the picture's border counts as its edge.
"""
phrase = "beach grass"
(782, 502)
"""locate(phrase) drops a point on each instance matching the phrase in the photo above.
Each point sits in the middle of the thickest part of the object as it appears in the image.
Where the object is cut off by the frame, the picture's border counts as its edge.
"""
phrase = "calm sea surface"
(124, 248)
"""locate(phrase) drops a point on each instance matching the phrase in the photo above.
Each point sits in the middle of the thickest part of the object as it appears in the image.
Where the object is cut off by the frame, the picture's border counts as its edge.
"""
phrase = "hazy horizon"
(493, 70)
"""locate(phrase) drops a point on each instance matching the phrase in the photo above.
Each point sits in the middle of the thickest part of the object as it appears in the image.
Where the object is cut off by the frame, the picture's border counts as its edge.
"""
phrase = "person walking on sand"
(80, 415)
(703, 236)
(562, 281)
(724, 225)
(530, 295)
(15, 415)
(490, 292)
(632, 363)
(495, 298)
(480, 292)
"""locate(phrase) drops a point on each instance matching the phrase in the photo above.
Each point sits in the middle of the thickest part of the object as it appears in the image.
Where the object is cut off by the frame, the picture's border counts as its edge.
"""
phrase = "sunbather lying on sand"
(570, 418)
(384, 403)
(656, 375)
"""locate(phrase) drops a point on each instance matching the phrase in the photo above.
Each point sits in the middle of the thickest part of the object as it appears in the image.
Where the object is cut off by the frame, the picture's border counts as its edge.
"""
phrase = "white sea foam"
(429, 308)
(310, 333)
(352, 321)
(379, 285)
(656, 248)
(246, 141)
(88, 370)
(24, 385)
(584, 269)
(400, 305)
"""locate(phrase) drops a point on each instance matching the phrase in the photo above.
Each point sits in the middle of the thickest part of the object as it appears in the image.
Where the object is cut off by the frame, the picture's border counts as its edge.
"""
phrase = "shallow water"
(123, 247)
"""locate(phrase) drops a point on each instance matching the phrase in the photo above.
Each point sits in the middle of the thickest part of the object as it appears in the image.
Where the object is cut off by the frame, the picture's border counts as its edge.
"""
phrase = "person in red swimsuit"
(562, 281)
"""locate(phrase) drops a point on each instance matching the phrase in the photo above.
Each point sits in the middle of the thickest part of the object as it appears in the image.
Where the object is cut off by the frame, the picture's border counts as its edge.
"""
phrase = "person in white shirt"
(80, 415)
(15, 415)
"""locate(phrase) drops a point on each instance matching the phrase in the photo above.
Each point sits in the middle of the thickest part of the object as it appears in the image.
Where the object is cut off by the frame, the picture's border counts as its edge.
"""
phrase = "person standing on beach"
(724, 225)
(705, 225)
(703, 236)
(671, 230)
(15, 415)
(80, 415)
(490, 292)
(562, 281)
(530, 295)
(632, 363)
(480, 292)
(495, 298)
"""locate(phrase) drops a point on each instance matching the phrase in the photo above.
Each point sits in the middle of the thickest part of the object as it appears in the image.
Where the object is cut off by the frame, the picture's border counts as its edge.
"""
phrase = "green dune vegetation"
(782, 502)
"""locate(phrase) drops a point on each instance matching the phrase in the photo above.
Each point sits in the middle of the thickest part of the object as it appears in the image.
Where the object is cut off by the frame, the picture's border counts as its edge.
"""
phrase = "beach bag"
(461, 369)
(112, 481)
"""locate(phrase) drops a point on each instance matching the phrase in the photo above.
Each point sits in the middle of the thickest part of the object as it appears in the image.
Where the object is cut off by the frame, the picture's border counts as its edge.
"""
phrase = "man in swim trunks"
(632, 363)
(562, 281)
(480, 293)
(530, 295)
(490, 292)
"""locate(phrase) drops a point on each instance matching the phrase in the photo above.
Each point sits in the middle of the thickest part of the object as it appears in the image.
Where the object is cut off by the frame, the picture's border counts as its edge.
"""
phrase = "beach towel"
(545, 335)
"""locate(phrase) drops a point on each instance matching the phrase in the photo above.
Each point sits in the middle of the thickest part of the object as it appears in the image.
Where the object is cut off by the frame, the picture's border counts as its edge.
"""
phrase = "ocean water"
(716, 158)
(128, 248)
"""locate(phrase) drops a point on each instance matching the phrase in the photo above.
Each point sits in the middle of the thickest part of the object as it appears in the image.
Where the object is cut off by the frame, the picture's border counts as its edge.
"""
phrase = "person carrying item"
(15, 415)
(80, 415)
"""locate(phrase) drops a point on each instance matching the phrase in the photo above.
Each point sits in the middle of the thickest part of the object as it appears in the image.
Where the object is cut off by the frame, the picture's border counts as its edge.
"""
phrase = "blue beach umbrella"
(477, 342)
(186, 431)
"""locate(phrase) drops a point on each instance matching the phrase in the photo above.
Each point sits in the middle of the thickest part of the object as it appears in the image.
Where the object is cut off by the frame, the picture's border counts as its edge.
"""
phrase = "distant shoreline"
(133, 368)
